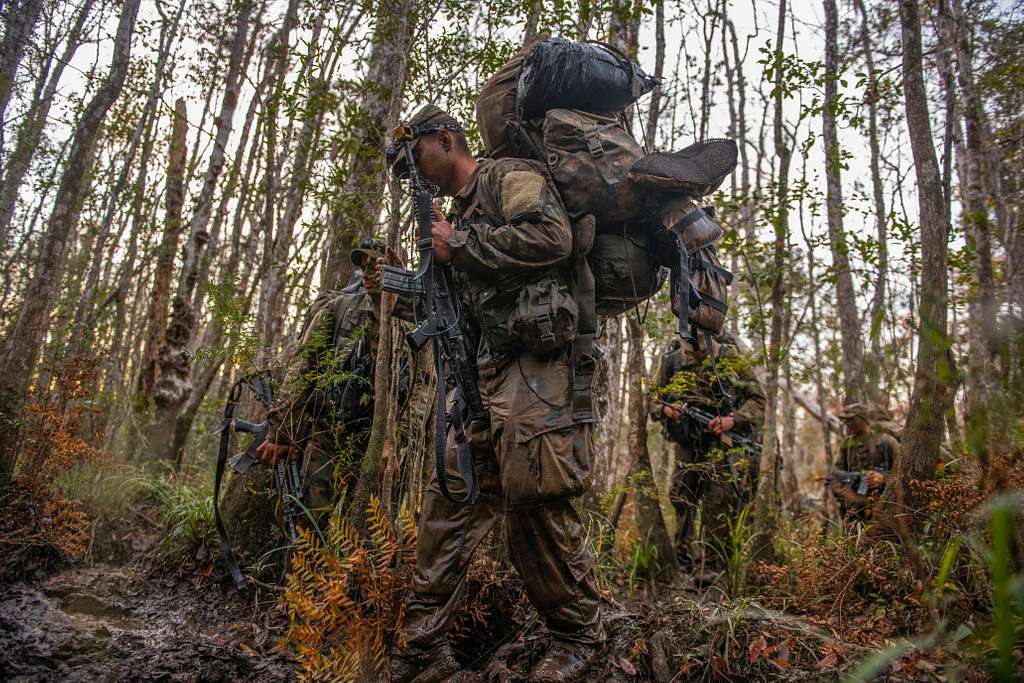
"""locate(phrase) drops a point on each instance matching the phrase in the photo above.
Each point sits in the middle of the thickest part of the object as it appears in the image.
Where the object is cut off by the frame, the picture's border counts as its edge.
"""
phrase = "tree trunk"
(982, 357)
(357, 211)
(22, 347)
(846, 297)
(766, 501)
(874, 361)
(270, 310)
(382, 107)
(81, 330)
(651, 524)
(174, 200)
(173, 386)
(931, 395)
(31, 130)
(19, 24)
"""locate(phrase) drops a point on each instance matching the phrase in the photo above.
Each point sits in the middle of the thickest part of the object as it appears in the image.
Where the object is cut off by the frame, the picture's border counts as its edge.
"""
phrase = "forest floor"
(839, 609)
(104, 622)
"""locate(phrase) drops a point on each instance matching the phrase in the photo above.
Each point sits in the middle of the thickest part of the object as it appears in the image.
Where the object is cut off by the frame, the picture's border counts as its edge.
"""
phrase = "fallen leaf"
(827, 662)
(627, 666)
(757, 648)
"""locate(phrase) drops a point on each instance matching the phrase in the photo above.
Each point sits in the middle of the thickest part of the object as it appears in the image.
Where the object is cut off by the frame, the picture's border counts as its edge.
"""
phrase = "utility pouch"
(539, 317)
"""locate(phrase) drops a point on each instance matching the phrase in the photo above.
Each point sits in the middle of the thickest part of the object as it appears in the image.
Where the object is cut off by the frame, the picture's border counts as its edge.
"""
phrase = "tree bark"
(874, 361)
(381, 105)
(21, 349)
(81, 330)
(173, 386)
(846, 297)
(31, 130)
(650, 521)
(766, 500)
(982, 357)
(931, 395)
(357, 211)
(173, 201)
(19, 24)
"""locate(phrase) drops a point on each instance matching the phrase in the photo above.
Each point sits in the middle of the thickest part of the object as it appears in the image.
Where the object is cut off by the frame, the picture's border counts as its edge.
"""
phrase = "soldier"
(869, 451)
(510, 238)
(709, 473)
(327, 404)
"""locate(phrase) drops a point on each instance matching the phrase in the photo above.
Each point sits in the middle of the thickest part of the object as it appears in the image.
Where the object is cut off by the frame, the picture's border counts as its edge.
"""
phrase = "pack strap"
(702, 264)
(583, 353)
(688, 220)
(222, 457)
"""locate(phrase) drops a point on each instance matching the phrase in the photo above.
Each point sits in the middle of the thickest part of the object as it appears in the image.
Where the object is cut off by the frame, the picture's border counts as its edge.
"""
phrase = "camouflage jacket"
(685, 376)
(510, 229)
(873, 450)
(339, 326)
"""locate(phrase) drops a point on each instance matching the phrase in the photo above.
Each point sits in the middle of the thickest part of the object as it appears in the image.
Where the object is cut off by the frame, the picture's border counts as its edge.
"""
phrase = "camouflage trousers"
(331, 470)
(530, 460)
(716, 485)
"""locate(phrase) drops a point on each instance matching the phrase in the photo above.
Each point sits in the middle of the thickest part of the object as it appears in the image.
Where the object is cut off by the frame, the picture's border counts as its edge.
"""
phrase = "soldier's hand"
(876, 480)
(269, 453)
(440, 231)
(722, 424)
(371, 281)
(672, 413)
(391, 258)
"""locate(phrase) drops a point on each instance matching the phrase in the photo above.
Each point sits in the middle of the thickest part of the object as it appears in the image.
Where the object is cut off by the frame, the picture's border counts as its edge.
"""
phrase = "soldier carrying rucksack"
(546, 234)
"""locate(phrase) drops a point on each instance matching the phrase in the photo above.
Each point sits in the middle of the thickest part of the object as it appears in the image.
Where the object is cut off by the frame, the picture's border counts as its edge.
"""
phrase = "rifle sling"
(463, 454)
(222, 457)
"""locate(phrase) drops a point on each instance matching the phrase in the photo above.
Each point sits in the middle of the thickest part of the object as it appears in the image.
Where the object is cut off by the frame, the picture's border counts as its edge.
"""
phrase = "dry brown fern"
(344, 595)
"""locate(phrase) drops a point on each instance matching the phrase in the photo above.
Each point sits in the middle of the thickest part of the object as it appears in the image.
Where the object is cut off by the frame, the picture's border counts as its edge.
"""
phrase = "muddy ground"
(104, 623)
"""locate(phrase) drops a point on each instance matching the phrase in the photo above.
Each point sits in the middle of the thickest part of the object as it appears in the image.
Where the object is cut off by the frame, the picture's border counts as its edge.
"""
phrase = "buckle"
(403, 132)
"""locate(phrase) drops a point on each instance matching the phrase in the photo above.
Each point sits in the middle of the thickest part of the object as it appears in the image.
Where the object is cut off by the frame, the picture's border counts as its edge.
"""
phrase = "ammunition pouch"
(539, 317)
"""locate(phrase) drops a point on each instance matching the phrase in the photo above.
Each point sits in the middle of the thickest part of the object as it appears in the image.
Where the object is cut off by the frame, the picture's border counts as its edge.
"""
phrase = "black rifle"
(442, 327)
(704, 418)
(857, 481)
(287, 475)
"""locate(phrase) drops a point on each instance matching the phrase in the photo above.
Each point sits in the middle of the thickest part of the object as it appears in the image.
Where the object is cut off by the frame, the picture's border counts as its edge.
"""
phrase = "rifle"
(287, 475)
(704, 418)
(442, 327)
(851, 480)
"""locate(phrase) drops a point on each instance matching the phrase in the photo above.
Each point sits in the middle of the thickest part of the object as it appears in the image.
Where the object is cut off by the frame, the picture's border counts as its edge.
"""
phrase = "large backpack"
(635, 234)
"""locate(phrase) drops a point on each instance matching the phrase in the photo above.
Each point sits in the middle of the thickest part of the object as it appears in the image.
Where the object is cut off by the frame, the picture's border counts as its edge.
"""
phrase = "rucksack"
(639, 232)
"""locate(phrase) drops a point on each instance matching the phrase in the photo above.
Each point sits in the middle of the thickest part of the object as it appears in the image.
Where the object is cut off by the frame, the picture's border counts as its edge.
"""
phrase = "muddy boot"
(423, 666)
(695, 171)
(564, 662)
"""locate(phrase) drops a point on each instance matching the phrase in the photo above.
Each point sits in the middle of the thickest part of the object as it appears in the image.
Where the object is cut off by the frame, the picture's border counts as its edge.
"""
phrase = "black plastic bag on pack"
(591, 76)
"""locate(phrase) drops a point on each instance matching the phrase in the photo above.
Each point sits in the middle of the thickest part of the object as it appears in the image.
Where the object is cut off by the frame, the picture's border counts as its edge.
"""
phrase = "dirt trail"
(104, 623)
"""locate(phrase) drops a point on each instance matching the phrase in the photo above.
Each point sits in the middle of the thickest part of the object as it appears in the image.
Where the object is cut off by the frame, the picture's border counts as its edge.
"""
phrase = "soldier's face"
(856, 426)
(434, 158)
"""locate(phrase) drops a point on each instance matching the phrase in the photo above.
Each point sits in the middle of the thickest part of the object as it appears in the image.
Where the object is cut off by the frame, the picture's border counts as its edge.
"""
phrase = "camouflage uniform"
(720, 488)
(532, 457)
(872, 450)
(339, 332)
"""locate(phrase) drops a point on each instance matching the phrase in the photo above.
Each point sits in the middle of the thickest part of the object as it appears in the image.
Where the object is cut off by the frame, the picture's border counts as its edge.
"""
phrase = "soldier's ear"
(445, 140)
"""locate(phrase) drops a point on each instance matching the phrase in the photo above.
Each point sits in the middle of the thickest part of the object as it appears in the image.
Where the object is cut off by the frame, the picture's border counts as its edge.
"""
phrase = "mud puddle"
(113, 624)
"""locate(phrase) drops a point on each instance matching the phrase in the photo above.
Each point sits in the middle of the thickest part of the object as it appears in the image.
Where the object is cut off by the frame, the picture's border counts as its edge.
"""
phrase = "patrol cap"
(852, 410)
(369, 249)
(429, 119)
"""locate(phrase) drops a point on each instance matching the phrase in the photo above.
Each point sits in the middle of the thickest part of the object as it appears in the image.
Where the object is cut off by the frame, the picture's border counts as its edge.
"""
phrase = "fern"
(345, 595)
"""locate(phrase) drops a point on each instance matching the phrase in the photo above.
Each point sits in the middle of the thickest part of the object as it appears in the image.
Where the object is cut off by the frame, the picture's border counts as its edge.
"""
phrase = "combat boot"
(565, 662)
(423, 666)
(695, 171)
